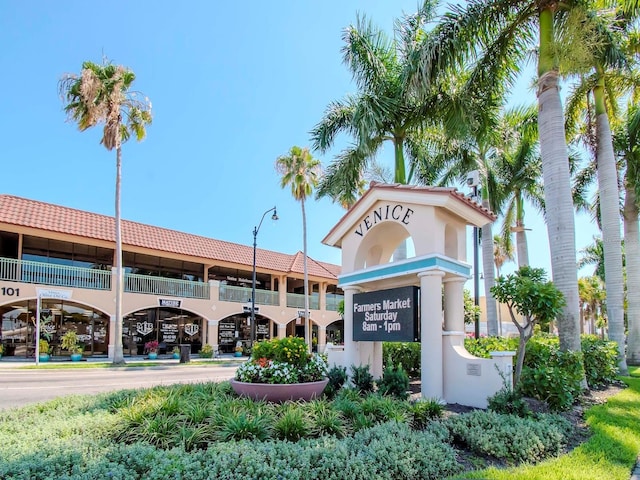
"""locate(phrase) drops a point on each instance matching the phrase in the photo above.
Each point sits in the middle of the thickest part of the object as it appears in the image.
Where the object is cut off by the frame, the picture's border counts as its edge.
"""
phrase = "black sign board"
(165, 302)
(386, 315)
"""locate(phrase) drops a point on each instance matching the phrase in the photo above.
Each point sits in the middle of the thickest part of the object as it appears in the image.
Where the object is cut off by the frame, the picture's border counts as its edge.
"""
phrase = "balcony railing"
(27, 271)
(296, 300)
(333, 300)
(170, 287)
(230, 293)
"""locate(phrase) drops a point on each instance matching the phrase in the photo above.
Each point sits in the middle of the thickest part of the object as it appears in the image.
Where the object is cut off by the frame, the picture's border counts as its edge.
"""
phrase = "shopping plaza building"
(178, 288)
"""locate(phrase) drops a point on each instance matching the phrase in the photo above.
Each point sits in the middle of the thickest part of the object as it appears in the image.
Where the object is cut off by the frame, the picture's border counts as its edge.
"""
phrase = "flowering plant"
(151, 347)
(282, 361)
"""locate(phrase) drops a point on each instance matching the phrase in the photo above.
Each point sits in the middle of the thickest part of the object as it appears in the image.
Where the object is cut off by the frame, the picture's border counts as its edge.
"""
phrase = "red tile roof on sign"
(55, 218)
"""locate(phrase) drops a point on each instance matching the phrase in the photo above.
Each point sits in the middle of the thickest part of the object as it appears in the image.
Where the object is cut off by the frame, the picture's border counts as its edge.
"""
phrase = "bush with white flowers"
(282, 361)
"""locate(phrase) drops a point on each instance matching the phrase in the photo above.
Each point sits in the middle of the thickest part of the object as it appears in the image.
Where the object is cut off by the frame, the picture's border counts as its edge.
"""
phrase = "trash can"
(185, 353)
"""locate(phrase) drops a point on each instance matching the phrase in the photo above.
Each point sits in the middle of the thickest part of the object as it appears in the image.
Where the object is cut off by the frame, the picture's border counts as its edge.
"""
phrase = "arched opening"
(57, 317)
(335, 332)
(236, 328)
(384, 243)
(169, 326)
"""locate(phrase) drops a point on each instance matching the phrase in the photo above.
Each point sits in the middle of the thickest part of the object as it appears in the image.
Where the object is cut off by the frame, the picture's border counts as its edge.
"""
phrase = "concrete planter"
(279, 393)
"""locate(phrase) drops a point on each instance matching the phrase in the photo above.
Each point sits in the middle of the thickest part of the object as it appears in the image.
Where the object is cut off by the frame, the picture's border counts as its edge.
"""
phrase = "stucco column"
(454, 304)
(112, 336)
(212, 334)
(351, 351)
(322, 303)
(322, 338)
(282, 292)
(431, 334)
(282, 330)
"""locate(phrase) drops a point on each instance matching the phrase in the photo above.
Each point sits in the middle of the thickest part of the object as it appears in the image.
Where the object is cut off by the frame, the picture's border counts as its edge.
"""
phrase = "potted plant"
(151, 349)
(206, 351)
(281, 369)
(176, 352)
(238, 349)
(69, 342)
(43, 346)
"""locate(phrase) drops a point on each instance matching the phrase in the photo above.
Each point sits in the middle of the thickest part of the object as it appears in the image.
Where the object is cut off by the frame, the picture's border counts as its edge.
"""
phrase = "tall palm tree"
(494, 33)
(503, 252)
(383, 110)
(302, 172)
(627, 139)
(102, 94)
(518, 168)
(592, 299)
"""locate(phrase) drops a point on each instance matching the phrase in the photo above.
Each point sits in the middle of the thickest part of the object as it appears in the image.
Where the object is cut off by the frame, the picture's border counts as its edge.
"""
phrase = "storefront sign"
(51, 293)
(386, 315)
(171, 303)
(397, 212)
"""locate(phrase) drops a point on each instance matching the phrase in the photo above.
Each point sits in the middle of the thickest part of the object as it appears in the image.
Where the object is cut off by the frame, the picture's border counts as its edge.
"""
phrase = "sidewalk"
(17, 362)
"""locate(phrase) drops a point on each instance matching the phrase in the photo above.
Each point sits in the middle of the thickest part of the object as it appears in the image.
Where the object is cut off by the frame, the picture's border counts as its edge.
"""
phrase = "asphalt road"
(20, 387)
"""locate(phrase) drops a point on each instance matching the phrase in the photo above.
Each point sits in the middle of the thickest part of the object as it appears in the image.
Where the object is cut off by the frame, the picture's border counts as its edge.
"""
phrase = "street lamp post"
(252, 326)
(473, 181)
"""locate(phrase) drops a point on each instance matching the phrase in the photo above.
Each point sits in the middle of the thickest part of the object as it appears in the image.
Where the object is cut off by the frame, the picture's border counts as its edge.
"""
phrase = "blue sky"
(233, 86)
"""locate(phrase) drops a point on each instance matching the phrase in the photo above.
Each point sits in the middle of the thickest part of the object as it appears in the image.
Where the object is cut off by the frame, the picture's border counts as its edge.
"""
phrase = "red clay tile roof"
(55, 218)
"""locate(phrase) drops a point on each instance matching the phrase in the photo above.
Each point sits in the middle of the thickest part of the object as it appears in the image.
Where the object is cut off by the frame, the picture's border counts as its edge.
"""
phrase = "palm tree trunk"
(521, 235)
(489, 276)
(307, 319)
(557, 189)
(610, 222)
(118, 356)
(632, 249)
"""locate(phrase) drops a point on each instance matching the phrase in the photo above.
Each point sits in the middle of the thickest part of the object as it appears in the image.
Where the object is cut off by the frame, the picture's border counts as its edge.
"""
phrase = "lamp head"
(275, 214)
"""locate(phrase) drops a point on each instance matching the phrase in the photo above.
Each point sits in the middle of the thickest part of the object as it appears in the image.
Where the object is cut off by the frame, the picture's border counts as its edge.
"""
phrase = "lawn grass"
(609, 454)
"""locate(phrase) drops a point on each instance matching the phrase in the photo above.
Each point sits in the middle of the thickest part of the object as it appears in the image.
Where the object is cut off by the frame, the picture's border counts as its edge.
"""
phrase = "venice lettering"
(397, 212)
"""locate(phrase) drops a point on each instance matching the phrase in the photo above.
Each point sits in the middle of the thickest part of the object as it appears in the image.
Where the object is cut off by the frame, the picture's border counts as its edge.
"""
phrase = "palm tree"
(301, 171)
(518, 168)
(495, 33)
(603, 92)
(102, 94)
(503, 252)
(383, 110)
(592, 299)
(626, 141)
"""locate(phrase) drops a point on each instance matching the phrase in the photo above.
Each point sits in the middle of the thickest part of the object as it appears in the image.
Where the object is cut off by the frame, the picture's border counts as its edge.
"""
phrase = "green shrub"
(206, 351)
(244, 426)
(326, 420)
(362, 378)
(292, 350)
(510, 402)
(551, 375)
(405, 354)
(600, 360)
(394, 382)
(508, 437)
(337, 378)
(483, 346)
(423, 411)
(292, 423)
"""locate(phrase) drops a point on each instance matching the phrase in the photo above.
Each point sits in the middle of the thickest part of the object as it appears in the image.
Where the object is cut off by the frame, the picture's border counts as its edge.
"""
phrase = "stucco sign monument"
(392, 298)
